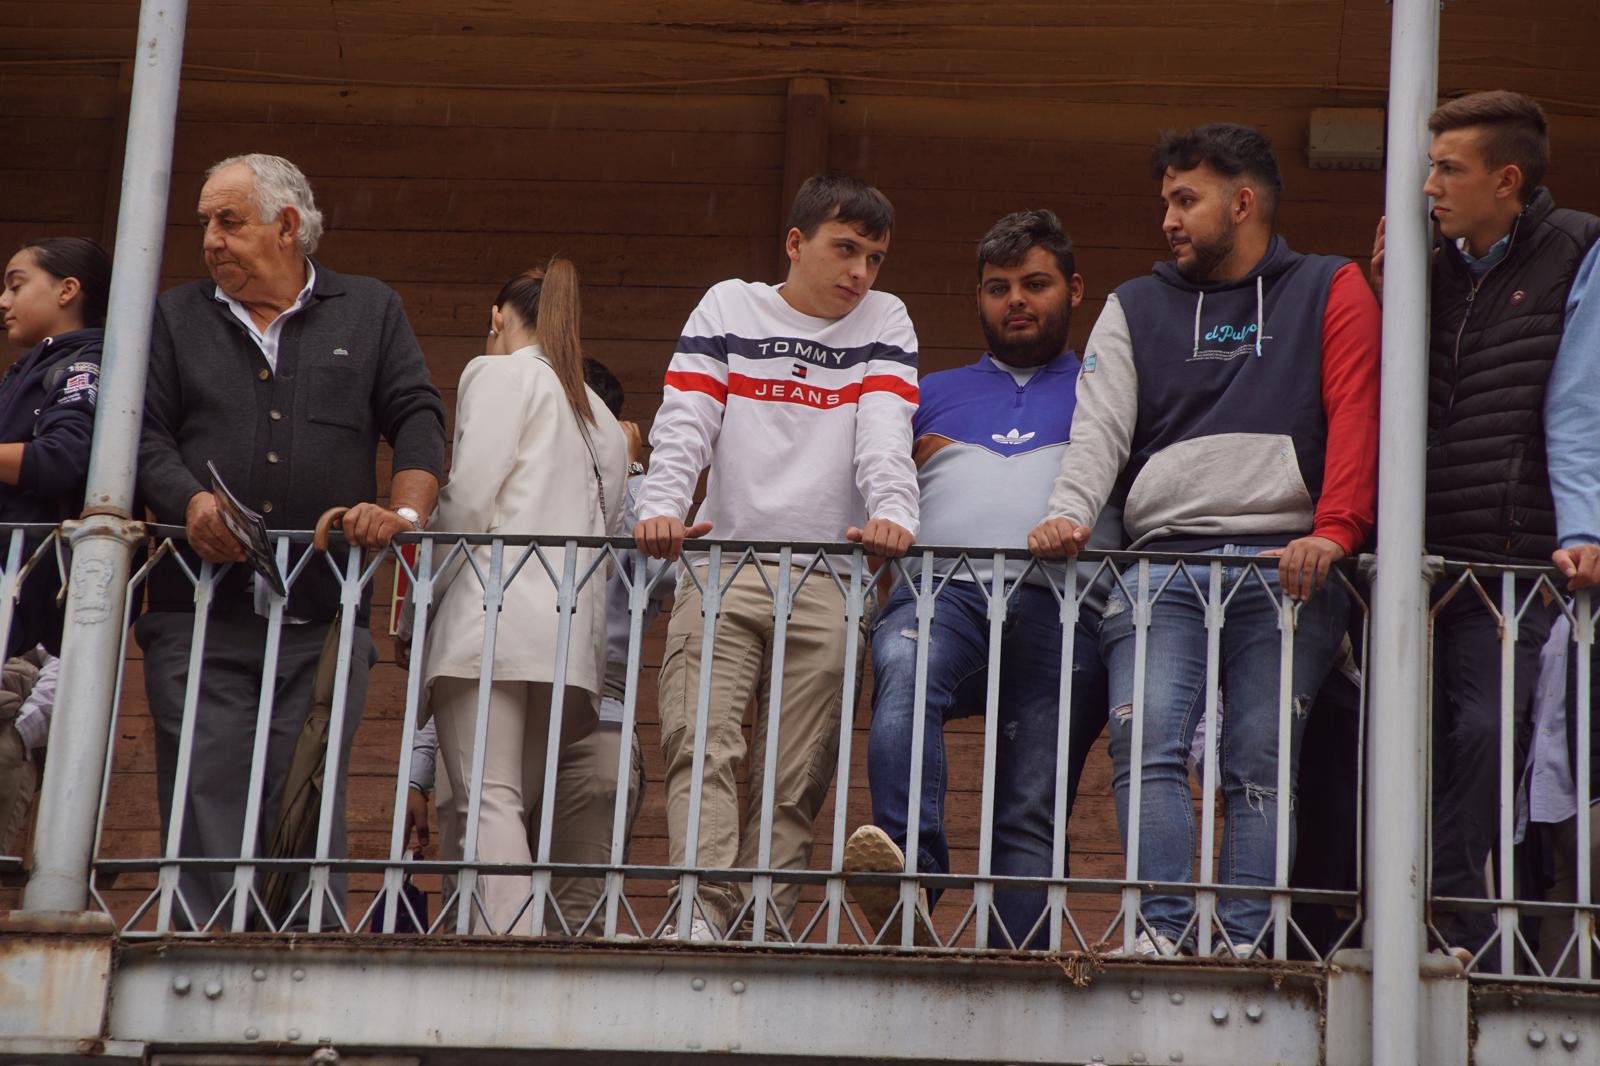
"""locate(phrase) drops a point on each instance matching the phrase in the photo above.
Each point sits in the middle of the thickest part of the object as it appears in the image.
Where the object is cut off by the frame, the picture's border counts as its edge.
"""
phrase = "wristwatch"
(410, 515)
(635, 468)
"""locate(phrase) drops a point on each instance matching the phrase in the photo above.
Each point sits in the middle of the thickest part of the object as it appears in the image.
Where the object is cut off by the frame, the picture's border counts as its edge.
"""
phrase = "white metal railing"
(631, 903)
(35, 553)
(1510, 604)
(1521, 605)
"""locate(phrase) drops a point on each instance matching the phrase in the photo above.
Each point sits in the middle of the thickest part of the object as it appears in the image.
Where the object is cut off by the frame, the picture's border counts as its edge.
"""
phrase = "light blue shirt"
(1572, 412)
(1479, 265)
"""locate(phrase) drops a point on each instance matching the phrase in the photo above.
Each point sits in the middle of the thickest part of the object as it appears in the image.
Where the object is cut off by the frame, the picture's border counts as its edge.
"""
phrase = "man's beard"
(1210, 255)
(1048, 341)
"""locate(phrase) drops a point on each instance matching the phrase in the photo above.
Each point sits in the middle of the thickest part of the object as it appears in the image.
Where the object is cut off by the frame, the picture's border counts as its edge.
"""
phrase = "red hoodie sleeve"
(1352, 328)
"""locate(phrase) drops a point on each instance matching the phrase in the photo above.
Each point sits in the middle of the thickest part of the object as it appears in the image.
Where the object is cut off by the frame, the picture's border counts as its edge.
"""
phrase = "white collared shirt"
(267, 339)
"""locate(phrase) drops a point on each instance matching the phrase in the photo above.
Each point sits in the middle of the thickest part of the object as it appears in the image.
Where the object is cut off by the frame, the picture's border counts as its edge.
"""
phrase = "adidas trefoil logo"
(1014, 437)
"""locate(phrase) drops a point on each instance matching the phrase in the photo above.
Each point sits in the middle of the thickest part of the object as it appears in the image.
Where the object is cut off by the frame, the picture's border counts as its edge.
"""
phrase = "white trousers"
(513, 780)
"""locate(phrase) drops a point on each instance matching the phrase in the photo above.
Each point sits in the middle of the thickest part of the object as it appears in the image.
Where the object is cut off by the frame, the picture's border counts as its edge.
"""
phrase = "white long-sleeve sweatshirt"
(805, 422)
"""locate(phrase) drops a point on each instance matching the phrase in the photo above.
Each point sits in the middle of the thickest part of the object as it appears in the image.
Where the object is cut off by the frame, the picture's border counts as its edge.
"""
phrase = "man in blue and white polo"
(988, 440)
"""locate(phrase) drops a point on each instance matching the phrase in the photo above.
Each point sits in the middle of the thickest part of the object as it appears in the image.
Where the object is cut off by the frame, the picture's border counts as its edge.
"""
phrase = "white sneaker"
(1242, 950)
(700, 932)
(1161, 947)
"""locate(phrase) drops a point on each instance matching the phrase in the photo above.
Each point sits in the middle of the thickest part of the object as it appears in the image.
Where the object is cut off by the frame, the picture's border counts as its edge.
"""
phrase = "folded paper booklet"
(250, 528)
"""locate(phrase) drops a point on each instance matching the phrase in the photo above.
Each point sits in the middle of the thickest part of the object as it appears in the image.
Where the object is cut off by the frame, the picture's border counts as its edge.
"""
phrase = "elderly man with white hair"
(283, 374)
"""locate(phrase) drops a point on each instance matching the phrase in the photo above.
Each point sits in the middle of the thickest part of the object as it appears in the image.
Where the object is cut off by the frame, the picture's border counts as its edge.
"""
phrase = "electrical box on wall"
(1346, 138)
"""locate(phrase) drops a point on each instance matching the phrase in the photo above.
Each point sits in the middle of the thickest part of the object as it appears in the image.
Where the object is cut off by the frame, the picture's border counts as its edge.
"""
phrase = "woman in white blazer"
(535, 452)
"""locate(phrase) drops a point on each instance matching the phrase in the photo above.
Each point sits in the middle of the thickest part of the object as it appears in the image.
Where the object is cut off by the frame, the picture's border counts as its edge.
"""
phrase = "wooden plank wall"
(445, 193)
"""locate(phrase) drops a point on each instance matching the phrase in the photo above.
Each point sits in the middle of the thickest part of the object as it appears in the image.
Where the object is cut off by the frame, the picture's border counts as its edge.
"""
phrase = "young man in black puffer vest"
(1513, 448)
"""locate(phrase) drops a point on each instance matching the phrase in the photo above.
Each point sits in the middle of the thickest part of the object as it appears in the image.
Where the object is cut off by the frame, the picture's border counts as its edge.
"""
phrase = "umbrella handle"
(319, 537)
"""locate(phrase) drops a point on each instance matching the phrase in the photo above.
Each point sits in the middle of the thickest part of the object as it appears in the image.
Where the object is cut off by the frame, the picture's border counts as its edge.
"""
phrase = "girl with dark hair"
(54, 308)
(535, 452)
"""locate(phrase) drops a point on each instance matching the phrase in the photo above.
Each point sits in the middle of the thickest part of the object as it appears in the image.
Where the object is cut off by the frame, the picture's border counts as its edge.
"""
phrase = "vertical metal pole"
(1505, 876)
(855, 606)
(783, 598)
(926, 605)
(1070, 609)
(1394, 827)
(103, 543)
(983, 890)
(1206, 899)
(1132, 908)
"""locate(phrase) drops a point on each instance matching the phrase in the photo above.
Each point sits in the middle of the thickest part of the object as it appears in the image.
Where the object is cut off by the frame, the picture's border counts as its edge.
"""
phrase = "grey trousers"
(224, 738)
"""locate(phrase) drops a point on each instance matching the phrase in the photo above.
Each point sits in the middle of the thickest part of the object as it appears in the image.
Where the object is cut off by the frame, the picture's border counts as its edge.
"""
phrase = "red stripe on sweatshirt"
(906, 390)
(688, 381)
(781, 390)
(1352, 331)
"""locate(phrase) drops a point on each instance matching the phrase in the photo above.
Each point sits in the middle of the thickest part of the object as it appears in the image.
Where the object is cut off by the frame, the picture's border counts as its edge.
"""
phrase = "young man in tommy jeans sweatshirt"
(799, 398)
(1232, 397)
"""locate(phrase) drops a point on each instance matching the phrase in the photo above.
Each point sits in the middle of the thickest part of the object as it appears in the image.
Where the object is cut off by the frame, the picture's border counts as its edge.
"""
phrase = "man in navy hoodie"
(1230, 400)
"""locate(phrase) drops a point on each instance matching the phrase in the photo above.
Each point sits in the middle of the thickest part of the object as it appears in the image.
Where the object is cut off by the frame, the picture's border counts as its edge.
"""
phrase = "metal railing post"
(1395, 808)
(103, 542)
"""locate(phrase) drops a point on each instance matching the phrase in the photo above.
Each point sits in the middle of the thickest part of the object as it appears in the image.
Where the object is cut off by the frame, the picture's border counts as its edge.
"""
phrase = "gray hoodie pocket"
(1225, 484)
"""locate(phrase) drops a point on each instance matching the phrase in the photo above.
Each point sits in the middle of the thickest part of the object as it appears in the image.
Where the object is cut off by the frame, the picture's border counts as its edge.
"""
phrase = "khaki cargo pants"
(808, 739)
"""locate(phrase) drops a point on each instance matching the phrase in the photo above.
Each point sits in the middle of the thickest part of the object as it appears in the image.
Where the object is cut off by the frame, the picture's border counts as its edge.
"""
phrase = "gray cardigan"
(291, 443)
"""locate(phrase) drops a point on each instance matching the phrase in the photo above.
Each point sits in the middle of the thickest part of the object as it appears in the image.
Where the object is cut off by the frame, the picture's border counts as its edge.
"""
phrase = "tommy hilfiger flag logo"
(799, 370)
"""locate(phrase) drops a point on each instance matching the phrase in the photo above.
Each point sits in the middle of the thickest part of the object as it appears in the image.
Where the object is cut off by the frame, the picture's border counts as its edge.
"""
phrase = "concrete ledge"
(57, 923)
(1527, 1025)
(439, 1000)
(1444, 1010)
(55, 976)
(69, 1052)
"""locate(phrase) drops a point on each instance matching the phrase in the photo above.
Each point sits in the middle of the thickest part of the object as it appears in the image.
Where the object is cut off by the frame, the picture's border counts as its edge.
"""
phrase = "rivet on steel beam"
(258, 974)
(1253, 1012)
(252, 1033)
(1176, 997)
(1219, 1014)
(1138, 1058)
(294, 1034)
(298, 974)
(698, 983)
(1176, 1056)
(1536, 1036)
(735, 1046)
(1569, 1039)
(738, 988)
(213, 989)
(1135, 995)
(180, 985)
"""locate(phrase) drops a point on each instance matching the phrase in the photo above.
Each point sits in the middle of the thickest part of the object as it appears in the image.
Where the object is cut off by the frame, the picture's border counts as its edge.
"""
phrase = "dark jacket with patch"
(47, 402)
(290, 443)
(1494, 343)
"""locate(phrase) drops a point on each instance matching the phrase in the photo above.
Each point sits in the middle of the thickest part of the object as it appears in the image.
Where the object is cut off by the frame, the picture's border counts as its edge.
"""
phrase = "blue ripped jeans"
(1025, 756)
(1174, 704)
